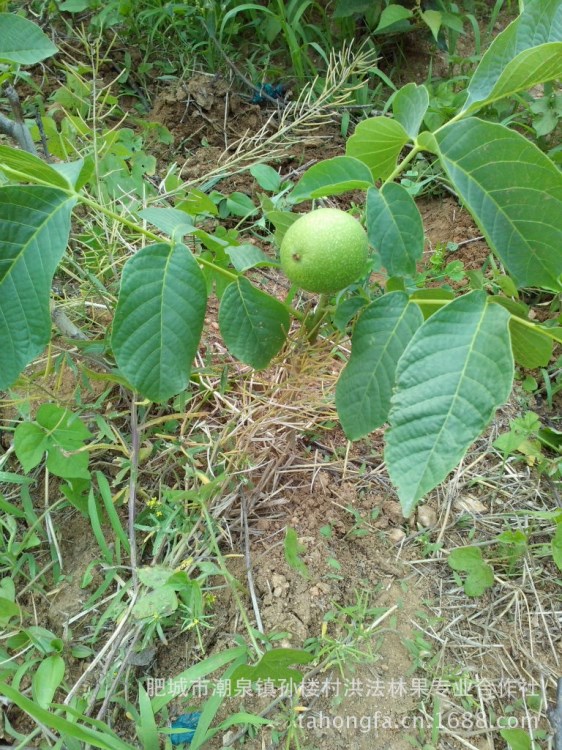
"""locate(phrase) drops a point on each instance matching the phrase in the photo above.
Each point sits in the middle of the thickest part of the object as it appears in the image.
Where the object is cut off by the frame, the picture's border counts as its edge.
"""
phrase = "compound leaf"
(514, 192)
(159, 319)
(380, 337)
(455, 371)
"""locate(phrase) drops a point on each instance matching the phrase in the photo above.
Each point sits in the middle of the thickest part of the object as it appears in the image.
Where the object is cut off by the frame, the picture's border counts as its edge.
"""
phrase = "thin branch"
(554, 714)
(133, 477)
(248, 561)
(16, 128)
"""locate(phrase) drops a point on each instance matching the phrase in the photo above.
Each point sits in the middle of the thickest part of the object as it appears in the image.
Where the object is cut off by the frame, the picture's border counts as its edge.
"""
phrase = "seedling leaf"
(293, 552)
(480, 575)
(556, 546)
(517, 739)
(47, 679)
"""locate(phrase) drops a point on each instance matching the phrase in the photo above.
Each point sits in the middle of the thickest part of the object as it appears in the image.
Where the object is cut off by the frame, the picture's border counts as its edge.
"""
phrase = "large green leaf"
(409, 105)
(529, 68)
(434, 19)
(26, 167)
(393, 16)
(377, 142)
(380, 337)
(253, 324)
(22, 42)
(332, 177)
(456, 370)
(514, 193)
(531, 348)
(395, 228)
(34, 229)
(159, 319)
(172, 221)
(539, 24)
(531, 345)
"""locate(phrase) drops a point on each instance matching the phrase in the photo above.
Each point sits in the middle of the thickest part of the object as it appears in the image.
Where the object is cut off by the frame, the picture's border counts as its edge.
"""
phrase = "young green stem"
(404, 163)
(313, 325)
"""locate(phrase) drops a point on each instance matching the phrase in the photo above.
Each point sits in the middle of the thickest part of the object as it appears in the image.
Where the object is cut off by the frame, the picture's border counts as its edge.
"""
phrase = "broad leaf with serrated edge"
(409, 105)
(253, 324)
(159, 319)
(540, 23)
(514, 192)
(377, 142)
(395, 228)
(332, 177)
(454, 373)
(34, 229)
(380, 337)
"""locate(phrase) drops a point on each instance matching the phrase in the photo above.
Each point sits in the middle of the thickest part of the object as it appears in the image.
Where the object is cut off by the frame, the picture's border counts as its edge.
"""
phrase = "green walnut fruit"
(324, 251)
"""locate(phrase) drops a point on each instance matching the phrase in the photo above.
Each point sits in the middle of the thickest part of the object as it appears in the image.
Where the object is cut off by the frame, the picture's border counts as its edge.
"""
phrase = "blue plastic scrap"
(268, 91)
(189, 723)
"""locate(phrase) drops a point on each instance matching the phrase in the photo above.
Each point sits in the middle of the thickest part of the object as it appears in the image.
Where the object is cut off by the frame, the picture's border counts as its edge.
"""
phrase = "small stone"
(393, 510)
(396, 535)
(469, 505)
(427, 516)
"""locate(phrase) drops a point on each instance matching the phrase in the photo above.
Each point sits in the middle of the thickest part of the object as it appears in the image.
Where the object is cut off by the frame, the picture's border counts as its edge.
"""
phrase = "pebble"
(426, 516)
